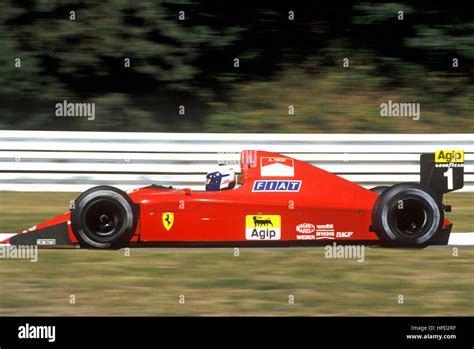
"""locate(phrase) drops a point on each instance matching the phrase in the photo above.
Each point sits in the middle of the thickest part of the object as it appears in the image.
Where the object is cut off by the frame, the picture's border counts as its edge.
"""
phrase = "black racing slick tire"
(379, 189)
(103, 217)
(407, 214)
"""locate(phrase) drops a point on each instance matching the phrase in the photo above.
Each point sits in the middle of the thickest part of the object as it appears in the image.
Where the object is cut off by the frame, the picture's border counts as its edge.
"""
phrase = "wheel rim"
(103, 218)
(411, 217)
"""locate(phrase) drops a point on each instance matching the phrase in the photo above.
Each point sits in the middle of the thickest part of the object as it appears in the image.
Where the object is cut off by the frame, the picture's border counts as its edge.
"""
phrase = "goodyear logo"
(263, 227)
(276, 186)
(449, 156)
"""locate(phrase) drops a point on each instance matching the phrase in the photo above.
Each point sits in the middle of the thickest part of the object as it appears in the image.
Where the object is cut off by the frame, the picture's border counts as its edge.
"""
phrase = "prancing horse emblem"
(168, 220)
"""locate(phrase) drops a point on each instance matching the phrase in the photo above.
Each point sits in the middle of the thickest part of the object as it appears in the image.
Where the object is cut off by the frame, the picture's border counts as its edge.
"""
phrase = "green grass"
(21, 210)
(258, 282)
(215, 282)
(463, 211)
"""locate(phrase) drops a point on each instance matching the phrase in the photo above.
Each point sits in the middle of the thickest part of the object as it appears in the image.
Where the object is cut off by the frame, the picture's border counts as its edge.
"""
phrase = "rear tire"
(379, 189)
(407, 214)
(103, 217)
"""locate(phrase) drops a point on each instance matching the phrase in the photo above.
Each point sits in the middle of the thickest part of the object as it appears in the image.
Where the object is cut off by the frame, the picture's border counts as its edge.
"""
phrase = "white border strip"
(464, 239)
(455, 239)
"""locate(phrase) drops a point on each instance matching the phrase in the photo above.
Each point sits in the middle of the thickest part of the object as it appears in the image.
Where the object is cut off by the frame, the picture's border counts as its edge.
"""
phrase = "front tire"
(407, 214)
(103, 217)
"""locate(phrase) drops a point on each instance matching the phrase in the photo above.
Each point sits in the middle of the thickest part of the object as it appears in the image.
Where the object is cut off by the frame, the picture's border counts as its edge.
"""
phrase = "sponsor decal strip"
(305, 228)
(449, 156)
(277, 167)
(276, 186)
(263, 227)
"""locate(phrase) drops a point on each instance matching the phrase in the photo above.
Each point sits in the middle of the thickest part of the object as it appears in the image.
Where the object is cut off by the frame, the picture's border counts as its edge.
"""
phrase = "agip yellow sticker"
(263, 227)
(445, 156)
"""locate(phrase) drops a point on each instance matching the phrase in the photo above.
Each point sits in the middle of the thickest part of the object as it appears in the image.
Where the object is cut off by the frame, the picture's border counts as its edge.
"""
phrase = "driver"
(222, 178)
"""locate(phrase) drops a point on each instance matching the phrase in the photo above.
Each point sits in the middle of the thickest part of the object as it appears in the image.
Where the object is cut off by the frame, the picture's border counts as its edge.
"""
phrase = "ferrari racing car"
(275, 200)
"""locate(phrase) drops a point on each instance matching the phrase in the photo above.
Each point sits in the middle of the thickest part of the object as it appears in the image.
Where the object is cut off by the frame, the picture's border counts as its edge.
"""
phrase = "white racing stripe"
(455, 239)
(5, 236)
(461, 239)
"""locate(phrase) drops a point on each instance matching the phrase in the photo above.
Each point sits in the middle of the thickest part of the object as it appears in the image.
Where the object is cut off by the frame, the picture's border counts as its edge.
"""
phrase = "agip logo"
(445, 156)
(263, 227)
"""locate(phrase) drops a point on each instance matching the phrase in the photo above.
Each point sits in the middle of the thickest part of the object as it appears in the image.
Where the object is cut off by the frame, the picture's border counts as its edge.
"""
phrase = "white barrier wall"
(75, 161)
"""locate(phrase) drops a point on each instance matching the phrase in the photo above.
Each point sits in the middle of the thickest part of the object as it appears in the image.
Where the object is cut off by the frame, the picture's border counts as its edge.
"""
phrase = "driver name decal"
(277, 167)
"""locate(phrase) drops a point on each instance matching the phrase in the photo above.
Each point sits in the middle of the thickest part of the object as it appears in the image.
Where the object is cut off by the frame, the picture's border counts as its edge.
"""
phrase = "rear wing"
(442, 171)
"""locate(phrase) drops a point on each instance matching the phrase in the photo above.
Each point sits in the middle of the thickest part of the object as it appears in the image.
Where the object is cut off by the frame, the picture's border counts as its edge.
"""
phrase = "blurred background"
(182, 53)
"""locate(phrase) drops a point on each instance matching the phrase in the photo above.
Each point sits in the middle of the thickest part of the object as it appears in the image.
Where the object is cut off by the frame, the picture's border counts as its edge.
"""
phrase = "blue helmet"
(220, 179)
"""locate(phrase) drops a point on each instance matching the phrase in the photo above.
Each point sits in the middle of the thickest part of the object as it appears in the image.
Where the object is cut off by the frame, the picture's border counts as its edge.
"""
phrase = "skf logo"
(449, 156)
(267, 227)
(344, 234)
(167, 219)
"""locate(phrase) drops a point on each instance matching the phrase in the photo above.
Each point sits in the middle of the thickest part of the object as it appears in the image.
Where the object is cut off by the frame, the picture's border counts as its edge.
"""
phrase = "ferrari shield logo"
(168, 220)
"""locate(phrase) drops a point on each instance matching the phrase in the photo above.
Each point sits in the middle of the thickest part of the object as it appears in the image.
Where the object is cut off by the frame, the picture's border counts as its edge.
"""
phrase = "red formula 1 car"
(274, 201)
